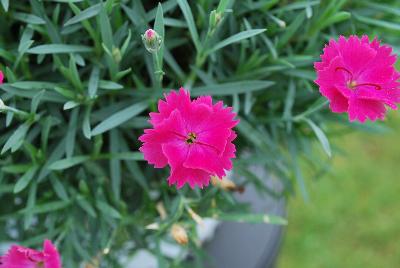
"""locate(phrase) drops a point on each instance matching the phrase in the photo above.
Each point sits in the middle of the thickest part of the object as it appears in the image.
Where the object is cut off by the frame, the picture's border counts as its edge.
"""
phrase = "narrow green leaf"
(292, 144)
(71, 133)
(223, 4)
(70, 104)
(85, 14)
(137, 156)
(94, 82)
(378, 22)
(321, 137)
(232, 88)
(58, 187)
(119, 118)
(253, 218)
(86, 127)
(24, 180)
(17, 168)
(315, 107)
(108, 210)
(110, 85)
(74, 74)
(36, 100)
(338, 17)
(85, 205)
(5, 4)
(236, 38)
(68, 162)
(105, 29)
(159, 28)
(16, 139)
(292, 29)
(28, 18)
(28, 217)
(187, 13)
(59, 49)
(115, 165)
(47, 207)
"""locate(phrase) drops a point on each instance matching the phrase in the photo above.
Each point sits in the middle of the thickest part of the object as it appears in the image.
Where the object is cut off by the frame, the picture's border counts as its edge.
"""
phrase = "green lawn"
(353, 217)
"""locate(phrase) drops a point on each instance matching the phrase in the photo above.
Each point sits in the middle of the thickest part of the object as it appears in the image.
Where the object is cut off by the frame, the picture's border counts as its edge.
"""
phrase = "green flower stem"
(15, 111)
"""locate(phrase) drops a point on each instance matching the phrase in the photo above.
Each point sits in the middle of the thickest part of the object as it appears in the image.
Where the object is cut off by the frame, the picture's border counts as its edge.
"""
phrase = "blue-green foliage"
(80, 84)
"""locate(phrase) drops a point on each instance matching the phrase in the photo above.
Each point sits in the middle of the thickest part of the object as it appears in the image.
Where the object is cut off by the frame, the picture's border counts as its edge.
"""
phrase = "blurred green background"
(352, 218)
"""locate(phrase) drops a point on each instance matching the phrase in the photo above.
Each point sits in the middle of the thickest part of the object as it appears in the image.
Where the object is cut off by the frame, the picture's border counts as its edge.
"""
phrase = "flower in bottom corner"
(21, 257)
(358, 77)
(193, 137)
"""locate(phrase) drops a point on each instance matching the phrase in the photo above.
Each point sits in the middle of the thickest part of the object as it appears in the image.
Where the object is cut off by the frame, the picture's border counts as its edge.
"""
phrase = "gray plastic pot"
(245, 245)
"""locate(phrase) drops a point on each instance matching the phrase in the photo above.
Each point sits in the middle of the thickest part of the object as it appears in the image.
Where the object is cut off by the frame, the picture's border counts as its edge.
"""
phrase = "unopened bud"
(218, 17)
(151, 40)
(179, 234)
(116, 53)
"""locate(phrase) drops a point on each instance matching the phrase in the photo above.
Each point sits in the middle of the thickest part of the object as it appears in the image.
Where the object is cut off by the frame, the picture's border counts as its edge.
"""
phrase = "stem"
(200, 60)
(15, 111)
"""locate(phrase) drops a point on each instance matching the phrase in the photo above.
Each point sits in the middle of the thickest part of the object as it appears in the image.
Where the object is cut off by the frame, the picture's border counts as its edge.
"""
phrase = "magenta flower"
(21, 257)
(358, 77)
(193, 137)
(1, 77)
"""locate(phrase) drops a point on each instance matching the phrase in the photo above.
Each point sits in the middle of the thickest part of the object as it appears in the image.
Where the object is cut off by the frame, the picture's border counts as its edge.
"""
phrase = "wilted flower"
(179, 234)
(152, 41)
(193, 137)
(196, 217)
(223, 183)
(358, 77)
(21, 257)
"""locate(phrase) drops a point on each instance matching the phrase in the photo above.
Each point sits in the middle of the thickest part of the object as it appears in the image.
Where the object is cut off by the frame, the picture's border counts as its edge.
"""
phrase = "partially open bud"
(179, 234)
(215, 19)
(151, 40)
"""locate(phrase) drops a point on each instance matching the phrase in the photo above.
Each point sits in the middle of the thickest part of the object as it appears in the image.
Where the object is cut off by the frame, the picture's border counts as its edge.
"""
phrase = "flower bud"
(116, 53)
(151, 40)
(179, 234)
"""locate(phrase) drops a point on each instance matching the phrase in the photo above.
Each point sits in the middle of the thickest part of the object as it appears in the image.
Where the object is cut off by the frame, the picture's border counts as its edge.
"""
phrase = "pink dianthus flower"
(358, 77)
(193, 137)
(21, 257)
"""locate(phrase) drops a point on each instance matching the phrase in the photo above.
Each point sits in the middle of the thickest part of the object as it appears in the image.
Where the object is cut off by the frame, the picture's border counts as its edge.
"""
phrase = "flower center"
(191, 138)
(40, 264)
(352, 84)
